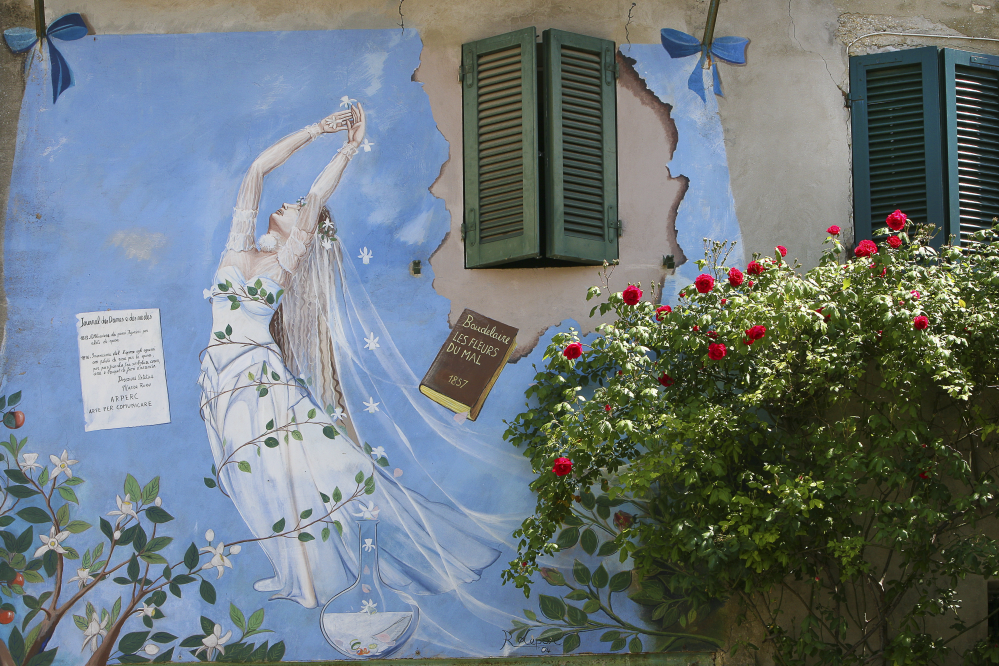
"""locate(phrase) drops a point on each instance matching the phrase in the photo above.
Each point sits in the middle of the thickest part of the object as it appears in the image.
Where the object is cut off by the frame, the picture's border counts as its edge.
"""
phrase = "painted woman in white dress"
(272, 397)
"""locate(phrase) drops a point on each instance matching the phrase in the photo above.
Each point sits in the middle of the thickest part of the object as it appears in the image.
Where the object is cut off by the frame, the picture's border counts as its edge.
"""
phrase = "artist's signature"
(529, 641)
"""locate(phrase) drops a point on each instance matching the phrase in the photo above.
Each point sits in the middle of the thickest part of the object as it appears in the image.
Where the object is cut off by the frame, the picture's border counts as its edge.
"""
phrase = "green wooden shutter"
(580, 154)
(971, 105)
(499, 93)
(897, 151)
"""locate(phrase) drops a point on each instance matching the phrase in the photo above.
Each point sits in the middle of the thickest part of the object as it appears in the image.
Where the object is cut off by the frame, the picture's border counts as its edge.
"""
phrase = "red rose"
(756, 332)
(896, 220)
(631, 294)
(920, 322)
(716, 351)
(712, 334)
(622, 520)
(879, 334)
(704, 283)
(750, 284)
(665, 380)
(782, 250)
(755, 268)
(865, 249)
(562, 466)
(833, 230)
(696, 328)
(827, 317)
(573, 351)
(924, 475)
(607, 408)
(682, 294)
(915, 294)
(724, 301)
(747, 341)
(661, 310)
(735, 277)
(894, 242)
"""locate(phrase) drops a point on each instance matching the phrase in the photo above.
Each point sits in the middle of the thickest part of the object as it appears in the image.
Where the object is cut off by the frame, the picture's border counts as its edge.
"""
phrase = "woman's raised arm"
(305, 227)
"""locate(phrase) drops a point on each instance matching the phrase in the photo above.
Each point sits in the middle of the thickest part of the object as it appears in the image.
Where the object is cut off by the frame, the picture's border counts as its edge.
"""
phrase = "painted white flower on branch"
(377, 452)
(371, 342)
(367, 511)
(219, 560)
(126, 508)
(369, 606)
(365, 255)
(28, 461)
(62, 465)
(83, 576)
(370, 406)
(213, 642)
(52, 542)
(337, 414)
(146, 610)
(96, 631)
(151, 649)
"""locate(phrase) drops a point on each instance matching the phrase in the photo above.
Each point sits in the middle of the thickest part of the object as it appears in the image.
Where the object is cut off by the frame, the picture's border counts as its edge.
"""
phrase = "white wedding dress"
(424, 547)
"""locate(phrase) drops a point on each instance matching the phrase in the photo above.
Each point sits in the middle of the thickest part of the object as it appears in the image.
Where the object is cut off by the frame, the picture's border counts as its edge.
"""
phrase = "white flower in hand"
(213, 642)
(346, 101)
(377, 452)
(369, 606)
(96, 630)
(52, 542)
(371, 342)
(62, 465)
(219, 560)
(28, 461)
(370, 406)
(366, 146)
(368, 511)
(83, 576)
(365, 255)
(126, 507)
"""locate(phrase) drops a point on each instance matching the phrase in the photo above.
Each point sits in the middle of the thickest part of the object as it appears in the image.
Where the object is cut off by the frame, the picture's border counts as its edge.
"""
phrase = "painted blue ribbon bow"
(728, 49)
(67, 28)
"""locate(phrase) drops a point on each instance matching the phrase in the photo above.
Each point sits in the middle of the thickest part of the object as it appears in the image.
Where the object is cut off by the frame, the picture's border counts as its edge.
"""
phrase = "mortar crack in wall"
(794, 36)
(402, 19)
(627, 34)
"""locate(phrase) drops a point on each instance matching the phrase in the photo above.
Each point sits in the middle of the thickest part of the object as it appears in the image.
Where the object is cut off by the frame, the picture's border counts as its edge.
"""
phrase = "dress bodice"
(242, 308)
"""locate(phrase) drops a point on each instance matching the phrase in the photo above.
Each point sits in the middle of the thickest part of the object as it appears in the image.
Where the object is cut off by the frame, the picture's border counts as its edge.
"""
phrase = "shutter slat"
(499, 90)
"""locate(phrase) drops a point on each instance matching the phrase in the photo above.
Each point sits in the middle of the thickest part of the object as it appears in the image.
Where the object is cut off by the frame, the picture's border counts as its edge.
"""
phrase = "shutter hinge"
(617, 71)
(461, 73)
(616, 225)
(463, 230)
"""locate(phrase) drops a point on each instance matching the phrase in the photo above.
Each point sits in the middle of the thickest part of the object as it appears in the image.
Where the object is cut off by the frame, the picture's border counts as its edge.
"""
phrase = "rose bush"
(831, 478)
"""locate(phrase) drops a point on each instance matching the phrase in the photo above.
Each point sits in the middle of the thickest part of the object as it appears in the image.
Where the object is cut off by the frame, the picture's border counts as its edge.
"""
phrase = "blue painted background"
(154, 139)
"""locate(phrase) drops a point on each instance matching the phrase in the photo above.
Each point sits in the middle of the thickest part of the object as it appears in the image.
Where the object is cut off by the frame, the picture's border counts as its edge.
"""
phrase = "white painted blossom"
(207, 293)
(213, 642)
(369, 606)
(234, 550)
(366, 145)
(83, 576)
(337, 414)
(62, 465)
(346, 101)
(367, 511)
(326, 243)
(151, 649)
(368, 545)
(370, 406)
(28, 461)
(96, 630)
(146, 610)
(371, 342)
(377, 452)
(158, 501)
(126, 508)
(219, 560)
(365, 255)
(117, 534)
(52, 542)
(210, 535)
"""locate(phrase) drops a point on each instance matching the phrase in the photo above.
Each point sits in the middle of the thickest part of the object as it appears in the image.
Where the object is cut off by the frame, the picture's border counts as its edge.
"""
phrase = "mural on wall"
(302, 499)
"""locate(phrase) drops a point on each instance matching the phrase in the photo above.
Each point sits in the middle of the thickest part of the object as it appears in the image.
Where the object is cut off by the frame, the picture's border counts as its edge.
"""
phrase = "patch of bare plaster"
(139, 243)
(853, 26)
(535, 299)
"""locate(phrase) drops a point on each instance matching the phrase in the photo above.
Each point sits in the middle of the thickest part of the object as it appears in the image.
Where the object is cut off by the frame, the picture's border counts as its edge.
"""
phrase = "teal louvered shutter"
(897, 150)
(971, 105)
(580, 148)
(499, 96)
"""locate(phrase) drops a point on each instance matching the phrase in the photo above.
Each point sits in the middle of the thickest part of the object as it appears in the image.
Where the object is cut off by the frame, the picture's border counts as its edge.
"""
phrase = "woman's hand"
(355, 133)
(336, 122)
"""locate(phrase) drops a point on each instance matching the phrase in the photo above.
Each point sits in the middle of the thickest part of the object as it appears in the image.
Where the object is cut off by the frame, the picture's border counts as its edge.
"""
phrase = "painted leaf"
(133, 641)
(552, 607)
(243, 466)
(567, 538)
(305, 537)
(635, 645)
(191, 557)
(600, 577)
(207, 591)
(580, 572)
(271, 442)
(33, 514)
(278, 526)
(589, 541)
(256, 619)
(576, 616)
(620, 581)
(157, 515)
(236, 616)
(570, 643)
